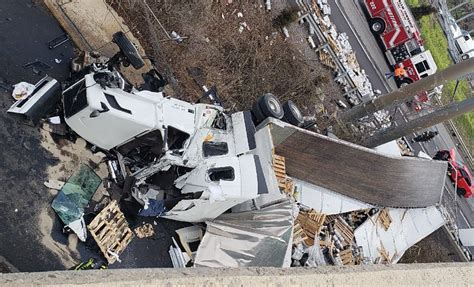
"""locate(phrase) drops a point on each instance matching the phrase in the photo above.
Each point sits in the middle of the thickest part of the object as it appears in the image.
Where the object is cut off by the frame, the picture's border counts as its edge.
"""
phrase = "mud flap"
(40, 102)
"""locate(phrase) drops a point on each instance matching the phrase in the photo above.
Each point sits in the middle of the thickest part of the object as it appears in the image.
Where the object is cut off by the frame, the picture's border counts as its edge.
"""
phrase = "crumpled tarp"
(76, 193)
(251, 238)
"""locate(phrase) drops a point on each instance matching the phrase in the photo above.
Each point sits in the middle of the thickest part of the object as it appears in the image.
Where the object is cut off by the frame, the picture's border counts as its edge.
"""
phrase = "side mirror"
(94, 114)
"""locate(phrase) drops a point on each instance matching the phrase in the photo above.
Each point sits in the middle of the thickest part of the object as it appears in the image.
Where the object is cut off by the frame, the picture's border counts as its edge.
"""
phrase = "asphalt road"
(25, 30)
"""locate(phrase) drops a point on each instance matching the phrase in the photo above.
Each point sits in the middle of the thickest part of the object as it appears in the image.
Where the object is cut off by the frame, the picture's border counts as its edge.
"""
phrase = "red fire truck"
(393, 22)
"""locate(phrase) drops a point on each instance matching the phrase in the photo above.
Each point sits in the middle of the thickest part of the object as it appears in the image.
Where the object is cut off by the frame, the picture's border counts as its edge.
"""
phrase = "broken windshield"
(75, 195)
(75, 99)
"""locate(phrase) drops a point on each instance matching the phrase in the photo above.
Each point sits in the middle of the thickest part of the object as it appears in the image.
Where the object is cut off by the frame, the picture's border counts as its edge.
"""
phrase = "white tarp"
(325, 201)
(466, 235)
(408, 226)
(252, 238)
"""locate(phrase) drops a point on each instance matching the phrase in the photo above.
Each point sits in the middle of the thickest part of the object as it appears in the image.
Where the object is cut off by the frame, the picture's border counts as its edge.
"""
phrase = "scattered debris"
(54, 184)
(189, 235)
(144, 231)
(111, 232)
(22, 90)
(58, 41)
(178, 258)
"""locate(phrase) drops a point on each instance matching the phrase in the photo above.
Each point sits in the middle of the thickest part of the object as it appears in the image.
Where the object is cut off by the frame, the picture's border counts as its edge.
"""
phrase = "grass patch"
(435, 41)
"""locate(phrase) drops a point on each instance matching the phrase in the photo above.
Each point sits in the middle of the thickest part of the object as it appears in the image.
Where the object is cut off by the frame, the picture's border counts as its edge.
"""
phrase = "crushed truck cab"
(108, 116)
(183, 161)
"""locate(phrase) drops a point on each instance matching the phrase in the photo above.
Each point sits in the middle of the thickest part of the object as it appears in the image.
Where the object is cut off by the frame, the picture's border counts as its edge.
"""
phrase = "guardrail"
(324, 44)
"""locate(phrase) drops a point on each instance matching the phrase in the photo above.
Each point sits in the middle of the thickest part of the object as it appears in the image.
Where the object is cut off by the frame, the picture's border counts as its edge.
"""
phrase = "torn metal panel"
(407, 227)
(252, 238)
(355, 171)
(242, 180)
(389, 148)
(466, 235)
(324, 200)
(42, 99)
(243, 131)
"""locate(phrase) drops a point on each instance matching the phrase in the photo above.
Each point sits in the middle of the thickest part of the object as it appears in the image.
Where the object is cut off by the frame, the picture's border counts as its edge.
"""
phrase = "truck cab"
(419, 66)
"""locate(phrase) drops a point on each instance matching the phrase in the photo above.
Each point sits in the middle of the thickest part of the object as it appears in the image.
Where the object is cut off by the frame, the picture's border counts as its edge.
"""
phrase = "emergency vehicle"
(393, 23)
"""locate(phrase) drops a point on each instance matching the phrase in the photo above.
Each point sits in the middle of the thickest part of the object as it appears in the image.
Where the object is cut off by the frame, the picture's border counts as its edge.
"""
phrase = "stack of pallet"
(311, 223)
(285, 183)
(111, 232)
(326, 59)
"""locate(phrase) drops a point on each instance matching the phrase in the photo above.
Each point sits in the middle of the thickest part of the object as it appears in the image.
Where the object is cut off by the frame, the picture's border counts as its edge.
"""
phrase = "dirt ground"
(242, 64)
(434, 248)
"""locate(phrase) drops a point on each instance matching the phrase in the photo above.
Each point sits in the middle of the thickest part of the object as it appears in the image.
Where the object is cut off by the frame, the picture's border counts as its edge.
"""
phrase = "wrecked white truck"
(182, 161)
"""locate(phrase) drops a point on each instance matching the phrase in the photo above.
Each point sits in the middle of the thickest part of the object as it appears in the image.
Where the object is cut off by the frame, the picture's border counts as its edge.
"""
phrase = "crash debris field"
(201, 136)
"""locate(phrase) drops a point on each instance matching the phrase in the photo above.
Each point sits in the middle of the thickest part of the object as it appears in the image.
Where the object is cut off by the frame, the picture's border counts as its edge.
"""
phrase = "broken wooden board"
(145, 230)
(311, 222)
(344, 230)
(279, 168)
(299, 235)
(384, 218)
(347, 257)
(111, 232)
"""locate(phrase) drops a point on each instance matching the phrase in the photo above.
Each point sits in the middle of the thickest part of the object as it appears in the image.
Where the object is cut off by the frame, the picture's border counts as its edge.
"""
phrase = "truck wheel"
(377, 25)
(257, 113)
(270, 106)
(128, 49)
(292, 114)
(461, 191)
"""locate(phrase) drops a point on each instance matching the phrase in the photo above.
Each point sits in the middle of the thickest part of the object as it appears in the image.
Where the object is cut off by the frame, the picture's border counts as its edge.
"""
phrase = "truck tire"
(461, 191)
(377, 25)
(128, 50)
(257, 113)
(270, 106)
(292, 114)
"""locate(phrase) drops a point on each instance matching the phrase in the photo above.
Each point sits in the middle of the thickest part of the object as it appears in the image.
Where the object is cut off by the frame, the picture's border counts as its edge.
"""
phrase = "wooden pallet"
(279, 167)
(384, 218)
(111, 232)
(285, 183)
(326, 59)
(347, 257)
(344, 230)
(311, 222)
(299, 235)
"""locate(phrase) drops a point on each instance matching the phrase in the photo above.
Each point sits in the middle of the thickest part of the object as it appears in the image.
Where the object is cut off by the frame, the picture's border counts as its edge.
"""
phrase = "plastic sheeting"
(326, 201)
(252, 238)
(75, 195)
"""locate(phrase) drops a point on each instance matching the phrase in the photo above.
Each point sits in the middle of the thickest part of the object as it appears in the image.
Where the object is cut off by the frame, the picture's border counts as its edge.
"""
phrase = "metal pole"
(453, 72)
(443, 114)
(459, 6)
(464, 17)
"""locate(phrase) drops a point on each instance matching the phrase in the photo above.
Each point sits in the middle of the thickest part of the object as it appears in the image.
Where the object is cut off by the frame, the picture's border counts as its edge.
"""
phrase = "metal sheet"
(252, 238)
(408, 226)
(325, 201)
(357, 172)
(467, 236)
